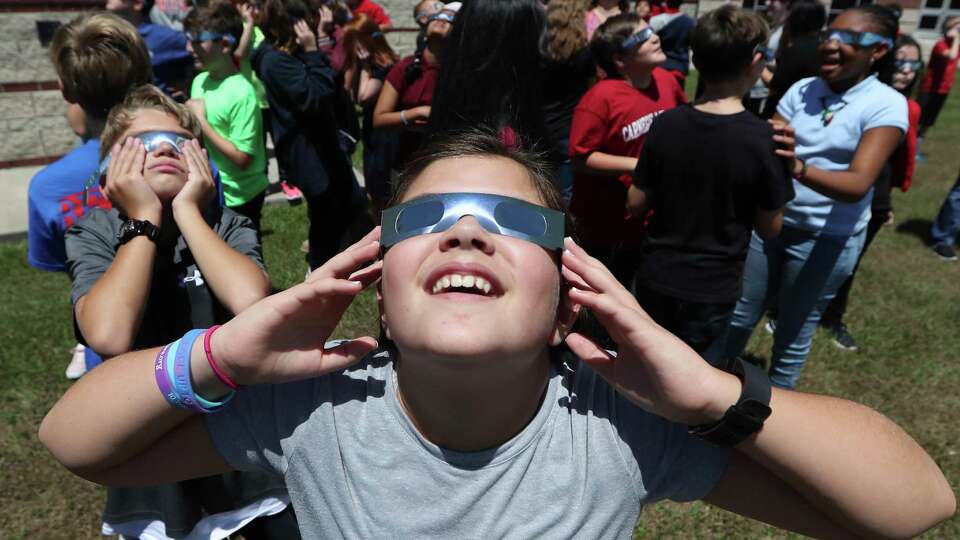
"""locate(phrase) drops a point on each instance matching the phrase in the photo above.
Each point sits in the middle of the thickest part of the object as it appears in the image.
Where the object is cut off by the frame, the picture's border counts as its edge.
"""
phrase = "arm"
(768, 223)
(820, 465)
(824, 453)
(605, 164)
(109, 315)
(144, 440)
(238, 157)
(386, 115)
(851, 185)
(246, 38)
(234, 279)
(369, 89)
(636, 201)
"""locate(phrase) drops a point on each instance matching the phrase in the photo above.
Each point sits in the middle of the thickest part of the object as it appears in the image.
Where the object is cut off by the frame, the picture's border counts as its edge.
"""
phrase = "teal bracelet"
(178, 369)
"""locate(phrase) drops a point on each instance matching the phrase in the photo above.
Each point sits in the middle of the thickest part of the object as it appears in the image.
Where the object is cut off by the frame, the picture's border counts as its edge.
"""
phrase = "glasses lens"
(418, 216)
(520, 218)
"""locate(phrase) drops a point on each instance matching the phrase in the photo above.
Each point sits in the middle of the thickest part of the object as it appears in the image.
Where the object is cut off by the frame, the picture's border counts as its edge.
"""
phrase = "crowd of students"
(530, 163)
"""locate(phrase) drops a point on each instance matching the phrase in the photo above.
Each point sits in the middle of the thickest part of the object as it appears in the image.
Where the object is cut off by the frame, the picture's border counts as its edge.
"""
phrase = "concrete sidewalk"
(16, 181)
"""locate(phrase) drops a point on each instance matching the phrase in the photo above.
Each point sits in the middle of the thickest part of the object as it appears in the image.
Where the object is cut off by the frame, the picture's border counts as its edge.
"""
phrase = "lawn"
(904, 311)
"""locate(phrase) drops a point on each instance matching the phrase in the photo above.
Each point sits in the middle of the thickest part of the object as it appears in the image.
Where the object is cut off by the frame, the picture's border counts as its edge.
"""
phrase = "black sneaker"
(842, 338)
(945, 252)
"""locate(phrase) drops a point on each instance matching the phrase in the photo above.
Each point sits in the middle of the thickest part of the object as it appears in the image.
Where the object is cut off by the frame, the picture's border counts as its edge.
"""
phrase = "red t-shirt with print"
(374, 11)
(613, 117)
(941, 71)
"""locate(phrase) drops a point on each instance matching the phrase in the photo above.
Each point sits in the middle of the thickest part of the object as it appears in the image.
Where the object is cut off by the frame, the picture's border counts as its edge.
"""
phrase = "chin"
(166, 187)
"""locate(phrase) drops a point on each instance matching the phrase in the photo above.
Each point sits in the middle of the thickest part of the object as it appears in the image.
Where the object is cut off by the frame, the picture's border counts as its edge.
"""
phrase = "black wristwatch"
(747, 415)
(135, 227)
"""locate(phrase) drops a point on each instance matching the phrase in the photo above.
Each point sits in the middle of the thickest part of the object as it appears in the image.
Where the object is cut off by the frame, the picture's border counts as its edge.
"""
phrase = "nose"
(467, 233)
(165, 148)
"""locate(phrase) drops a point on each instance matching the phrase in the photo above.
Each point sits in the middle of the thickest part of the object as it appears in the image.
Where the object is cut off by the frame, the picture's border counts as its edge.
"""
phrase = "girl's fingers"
(373, 235)
(598, 278)
(368, 274)
(346, 262)
(573, 279)
(587, 350)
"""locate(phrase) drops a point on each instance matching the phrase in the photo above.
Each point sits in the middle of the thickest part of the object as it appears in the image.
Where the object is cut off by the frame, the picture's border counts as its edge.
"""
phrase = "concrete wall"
(32, 118)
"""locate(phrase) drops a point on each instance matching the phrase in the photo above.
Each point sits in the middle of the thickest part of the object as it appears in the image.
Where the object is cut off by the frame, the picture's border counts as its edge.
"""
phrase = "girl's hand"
(305, 36)
(654, 369)
(125, 185)
(785, 137)
(281, 338)
(200, 187)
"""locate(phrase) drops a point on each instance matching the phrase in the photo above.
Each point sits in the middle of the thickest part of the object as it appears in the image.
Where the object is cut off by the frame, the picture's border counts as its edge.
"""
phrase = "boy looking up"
(608, 130)
(166, 258)
(227, 106)
(98, 58)
(709, 173)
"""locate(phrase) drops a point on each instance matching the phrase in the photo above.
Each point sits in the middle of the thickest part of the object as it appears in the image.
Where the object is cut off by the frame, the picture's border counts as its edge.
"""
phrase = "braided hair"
(884, 21)
(415, 69)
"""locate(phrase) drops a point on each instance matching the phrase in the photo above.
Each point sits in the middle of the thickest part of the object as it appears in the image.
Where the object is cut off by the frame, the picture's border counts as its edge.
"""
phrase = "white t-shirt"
(356, 467)
(831, 145)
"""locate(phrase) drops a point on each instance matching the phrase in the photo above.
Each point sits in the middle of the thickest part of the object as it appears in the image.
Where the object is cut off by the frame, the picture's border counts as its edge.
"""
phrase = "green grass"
(904, 310)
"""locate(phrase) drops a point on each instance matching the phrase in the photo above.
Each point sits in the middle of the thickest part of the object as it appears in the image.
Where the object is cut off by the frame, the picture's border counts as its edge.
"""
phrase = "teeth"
(458, 280)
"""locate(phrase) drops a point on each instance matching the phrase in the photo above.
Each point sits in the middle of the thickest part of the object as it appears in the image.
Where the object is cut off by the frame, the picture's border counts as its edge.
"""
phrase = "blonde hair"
(566, 28)
(140, 98)
(99, 58)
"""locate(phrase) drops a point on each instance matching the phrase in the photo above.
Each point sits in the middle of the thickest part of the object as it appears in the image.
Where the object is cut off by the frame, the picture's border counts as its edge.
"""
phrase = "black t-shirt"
(564, 83)
(705, 176)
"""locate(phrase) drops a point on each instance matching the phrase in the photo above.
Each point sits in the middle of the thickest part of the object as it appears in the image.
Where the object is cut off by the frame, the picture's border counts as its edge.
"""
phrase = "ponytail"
(415, 69)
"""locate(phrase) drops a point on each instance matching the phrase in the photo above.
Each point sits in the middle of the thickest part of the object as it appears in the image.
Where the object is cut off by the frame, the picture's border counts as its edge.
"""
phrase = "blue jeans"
(803, 271)
(947, 224)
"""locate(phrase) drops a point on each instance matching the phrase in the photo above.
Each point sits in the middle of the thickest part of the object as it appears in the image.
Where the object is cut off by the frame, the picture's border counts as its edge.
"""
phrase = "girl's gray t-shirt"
(356, 467)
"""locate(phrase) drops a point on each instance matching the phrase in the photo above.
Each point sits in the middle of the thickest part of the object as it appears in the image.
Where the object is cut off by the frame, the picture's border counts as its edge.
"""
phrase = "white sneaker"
(78, 363)
(771, 326)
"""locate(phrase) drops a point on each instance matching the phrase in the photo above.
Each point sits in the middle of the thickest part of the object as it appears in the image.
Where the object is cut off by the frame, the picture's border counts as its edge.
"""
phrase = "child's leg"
(815, 267)
(760, 271)
(947, 224)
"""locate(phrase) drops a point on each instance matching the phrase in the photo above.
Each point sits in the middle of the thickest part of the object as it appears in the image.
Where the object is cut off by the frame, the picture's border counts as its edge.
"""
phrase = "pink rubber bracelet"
(224, 378)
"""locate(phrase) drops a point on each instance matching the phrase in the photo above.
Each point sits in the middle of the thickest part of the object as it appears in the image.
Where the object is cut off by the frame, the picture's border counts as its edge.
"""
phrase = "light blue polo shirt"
(865, 106)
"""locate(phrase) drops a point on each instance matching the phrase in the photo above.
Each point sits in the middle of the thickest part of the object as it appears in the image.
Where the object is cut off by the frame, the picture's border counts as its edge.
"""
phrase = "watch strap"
(746, 416)
(132, 228)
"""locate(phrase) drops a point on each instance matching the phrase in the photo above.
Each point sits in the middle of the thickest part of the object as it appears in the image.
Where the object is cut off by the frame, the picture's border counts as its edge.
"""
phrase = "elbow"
(378, 121)
(108, 342)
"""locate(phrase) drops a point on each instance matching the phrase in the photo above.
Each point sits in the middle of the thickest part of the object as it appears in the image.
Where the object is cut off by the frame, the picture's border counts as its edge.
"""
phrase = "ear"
(65, 93)
(567, 313)
(383, 313)
(618, 62)
(881, 51)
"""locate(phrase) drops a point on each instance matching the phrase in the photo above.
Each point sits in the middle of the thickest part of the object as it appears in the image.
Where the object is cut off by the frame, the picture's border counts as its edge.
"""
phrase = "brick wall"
(32, 118)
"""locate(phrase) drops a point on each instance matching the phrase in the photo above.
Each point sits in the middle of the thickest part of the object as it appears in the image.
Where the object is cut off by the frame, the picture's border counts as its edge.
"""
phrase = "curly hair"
(566, 29)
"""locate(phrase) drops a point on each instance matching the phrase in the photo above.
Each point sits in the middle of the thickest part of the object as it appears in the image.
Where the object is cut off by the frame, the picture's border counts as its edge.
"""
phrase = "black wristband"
(747, 415)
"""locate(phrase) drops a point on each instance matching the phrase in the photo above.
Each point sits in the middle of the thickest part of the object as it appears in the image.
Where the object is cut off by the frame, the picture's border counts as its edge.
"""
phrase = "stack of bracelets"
(172, 370)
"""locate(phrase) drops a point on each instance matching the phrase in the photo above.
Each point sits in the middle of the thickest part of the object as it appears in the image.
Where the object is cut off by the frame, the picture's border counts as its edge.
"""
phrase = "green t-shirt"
(246, 69)
(232, 111)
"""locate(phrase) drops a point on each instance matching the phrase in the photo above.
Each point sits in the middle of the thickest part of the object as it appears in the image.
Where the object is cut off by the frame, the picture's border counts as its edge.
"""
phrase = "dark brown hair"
(219, 17)
(607, 42)
(724, 41)
(481, 142)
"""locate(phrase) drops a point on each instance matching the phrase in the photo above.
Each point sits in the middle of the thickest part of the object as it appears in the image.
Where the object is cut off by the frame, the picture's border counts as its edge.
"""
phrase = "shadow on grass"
(916, 227)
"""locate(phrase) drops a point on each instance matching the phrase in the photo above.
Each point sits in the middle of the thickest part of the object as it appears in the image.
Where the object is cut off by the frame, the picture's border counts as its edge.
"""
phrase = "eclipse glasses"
(855, 39)
(495, 213)
(637, 39)
(151, 141)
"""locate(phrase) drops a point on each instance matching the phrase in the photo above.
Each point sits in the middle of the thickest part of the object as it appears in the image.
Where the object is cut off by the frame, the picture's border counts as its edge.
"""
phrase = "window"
(934, 12)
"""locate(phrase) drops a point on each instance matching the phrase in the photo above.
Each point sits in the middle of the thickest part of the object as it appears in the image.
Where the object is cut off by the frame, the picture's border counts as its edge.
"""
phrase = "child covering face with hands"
(477, 411)
(166, 259)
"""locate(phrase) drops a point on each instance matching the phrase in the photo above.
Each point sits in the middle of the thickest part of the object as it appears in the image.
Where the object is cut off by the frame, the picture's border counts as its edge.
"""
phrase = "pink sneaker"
(291, 192)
